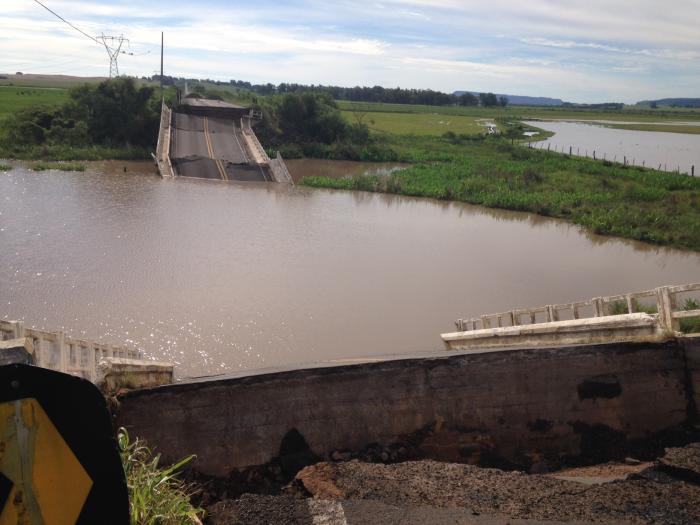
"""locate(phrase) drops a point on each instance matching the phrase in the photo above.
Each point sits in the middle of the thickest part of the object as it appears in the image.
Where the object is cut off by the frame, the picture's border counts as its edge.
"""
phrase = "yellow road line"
(210, 149)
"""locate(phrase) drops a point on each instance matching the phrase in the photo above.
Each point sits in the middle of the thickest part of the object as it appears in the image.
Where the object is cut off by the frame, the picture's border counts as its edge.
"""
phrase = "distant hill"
(680, 102)
(521, 100)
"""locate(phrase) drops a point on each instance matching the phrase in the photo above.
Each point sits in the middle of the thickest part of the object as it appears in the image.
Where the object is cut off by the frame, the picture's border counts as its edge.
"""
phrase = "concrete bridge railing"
(279, 170)
(87, 359)
(600, 319)
(163, 148)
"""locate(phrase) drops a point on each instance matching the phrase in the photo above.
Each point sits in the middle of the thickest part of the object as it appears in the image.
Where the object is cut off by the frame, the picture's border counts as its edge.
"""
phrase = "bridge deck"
(211, 148)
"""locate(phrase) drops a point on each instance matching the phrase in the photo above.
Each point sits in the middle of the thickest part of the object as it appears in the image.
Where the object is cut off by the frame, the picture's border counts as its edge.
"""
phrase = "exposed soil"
(350, 492)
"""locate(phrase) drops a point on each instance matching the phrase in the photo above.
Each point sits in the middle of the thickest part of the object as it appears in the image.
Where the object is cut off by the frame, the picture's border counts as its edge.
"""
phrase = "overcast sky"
(581, 51)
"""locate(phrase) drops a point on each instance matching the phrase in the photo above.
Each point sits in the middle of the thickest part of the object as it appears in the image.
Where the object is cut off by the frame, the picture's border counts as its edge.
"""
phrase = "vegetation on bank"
(156, 495)
(59, 166)
(311, 125)
(5, 167)
(609, 199)
(115, 119)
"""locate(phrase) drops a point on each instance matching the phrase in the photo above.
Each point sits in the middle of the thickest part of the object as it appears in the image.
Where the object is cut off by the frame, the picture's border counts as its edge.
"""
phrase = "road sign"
(59, 462)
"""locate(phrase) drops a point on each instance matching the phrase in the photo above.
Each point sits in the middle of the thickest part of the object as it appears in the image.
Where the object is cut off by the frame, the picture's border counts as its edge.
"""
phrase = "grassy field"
(527, 112)
(47, 81)
(416, 123)
(13, 98)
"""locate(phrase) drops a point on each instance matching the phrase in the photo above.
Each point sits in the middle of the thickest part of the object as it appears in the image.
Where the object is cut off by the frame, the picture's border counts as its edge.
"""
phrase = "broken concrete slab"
(114, 374)
(17, 351)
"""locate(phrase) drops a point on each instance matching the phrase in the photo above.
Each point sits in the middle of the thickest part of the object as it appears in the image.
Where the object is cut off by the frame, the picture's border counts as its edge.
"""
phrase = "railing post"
(18, 329)
(664, 304)
(92, 362)
(62, 352)
(516, 318)
(630, 304)
(485, 322)
(598, 310)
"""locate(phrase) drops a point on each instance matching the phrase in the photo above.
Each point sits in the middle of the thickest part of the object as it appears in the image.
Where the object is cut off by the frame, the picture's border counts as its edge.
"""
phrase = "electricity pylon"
(113, 45)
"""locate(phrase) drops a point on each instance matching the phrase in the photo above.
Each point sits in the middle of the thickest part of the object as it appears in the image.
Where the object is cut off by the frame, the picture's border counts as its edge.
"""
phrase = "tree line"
(397, 95)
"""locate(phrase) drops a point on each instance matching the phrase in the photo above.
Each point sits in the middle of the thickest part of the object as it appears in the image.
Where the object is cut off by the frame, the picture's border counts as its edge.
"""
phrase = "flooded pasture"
(225, 276)
(652, 149)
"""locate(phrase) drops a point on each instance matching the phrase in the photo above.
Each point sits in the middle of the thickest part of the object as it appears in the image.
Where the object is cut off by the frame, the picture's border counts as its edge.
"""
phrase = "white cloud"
(574, 50)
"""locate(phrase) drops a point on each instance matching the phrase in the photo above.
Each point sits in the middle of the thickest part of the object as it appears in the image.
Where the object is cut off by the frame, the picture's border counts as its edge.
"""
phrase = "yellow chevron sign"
(41, 480)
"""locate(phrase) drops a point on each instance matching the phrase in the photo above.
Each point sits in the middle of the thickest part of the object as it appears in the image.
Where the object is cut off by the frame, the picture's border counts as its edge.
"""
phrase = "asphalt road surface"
(210, 148)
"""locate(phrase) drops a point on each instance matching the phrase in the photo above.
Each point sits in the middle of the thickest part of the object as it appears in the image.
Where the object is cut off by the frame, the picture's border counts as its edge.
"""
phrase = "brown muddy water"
(228, 276)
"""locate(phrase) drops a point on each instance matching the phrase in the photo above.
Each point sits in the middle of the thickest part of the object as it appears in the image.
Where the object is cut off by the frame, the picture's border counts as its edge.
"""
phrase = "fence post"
(692, 170)
(665, 304)
(569, 151)
(630, 304)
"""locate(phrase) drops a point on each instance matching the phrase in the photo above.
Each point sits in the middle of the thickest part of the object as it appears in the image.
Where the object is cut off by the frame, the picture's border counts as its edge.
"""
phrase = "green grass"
(692, 325)
(5, 167)
(529, 112)
(416, 123)
(60, 166)
(62, 152)
(16, 98)
(646, 205)
(156, 495)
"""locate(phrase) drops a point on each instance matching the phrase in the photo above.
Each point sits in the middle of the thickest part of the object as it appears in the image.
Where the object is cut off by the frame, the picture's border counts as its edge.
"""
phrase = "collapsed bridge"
(212, 139)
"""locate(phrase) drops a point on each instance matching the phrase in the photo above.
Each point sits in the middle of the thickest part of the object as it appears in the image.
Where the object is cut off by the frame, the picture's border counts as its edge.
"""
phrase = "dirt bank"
(663, 492)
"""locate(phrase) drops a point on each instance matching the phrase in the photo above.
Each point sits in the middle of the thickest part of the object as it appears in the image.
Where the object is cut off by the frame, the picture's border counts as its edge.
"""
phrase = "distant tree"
(468, 99)
(654, 105)
(488, 100)
(503, 101)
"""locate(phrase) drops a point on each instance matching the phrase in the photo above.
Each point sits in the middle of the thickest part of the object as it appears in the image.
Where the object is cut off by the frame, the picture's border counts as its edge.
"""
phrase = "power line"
(67, 22)
(114, 48)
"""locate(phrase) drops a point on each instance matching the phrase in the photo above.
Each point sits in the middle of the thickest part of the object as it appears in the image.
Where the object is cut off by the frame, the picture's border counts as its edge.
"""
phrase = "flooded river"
(670, 151)
(226, 276)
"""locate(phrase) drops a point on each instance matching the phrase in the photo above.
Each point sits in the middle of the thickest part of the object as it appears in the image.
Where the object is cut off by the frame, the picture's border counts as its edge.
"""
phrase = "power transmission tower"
(113, 45)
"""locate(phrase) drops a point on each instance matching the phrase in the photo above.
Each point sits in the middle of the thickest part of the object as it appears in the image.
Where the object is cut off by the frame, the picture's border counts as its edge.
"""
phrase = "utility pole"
(113, 45)
(161, 63)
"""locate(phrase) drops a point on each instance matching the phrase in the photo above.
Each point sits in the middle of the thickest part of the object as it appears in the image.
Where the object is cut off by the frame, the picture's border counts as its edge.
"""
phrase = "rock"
(632, 461)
